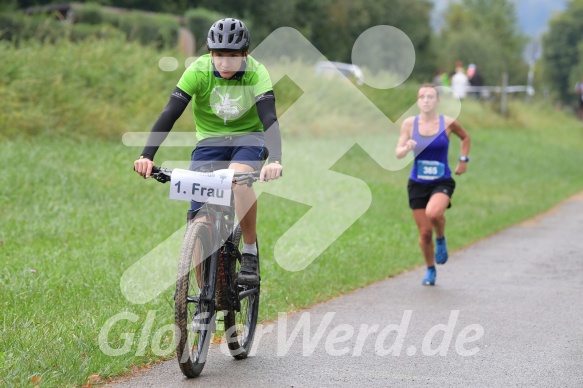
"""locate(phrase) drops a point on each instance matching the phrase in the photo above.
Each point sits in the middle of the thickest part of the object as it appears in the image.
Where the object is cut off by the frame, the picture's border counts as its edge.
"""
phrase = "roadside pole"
(504, 94)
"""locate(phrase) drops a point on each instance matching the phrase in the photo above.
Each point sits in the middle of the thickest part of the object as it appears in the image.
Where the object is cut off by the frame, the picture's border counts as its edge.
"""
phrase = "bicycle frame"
(216, 220)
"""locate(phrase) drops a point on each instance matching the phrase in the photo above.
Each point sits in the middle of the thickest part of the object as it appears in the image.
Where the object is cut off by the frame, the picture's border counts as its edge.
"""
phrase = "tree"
(562, 56)
(484, 32)
(337, 24)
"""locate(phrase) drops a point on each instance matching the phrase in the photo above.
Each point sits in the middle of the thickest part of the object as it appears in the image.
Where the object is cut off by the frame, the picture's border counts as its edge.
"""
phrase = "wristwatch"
(464, 159)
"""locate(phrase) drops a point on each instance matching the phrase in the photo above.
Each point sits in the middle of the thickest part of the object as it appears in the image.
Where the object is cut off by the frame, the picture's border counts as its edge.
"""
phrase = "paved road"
(506, 312)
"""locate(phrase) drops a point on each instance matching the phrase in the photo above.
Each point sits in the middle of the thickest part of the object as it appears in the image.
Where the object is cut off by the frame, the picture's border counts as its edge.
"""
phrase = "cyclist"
(236, 123)
(430, 184)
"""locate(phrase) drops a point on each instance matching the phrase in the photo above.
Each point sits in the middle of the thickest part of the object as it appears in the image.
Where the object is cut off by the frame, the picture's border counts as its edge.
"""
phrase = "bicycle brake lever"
(160, 175)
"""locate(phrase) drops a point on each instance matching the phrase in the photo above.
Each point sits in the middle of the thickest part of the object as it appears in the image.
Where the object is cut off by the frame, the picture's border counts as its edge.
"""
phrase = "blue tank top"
(431, 152)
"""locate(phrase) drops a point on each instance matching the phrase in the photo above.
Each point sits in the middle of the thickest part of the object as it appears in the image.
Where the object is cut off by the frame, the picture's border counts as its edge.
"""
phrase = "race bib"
(212, 187)
(430, 170)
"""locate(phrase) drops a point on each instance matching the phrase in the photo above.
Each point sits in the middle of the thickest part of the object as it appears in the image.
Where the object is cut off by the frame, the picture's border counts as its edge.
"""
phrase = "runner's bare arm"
(405, 143)
(456, 128)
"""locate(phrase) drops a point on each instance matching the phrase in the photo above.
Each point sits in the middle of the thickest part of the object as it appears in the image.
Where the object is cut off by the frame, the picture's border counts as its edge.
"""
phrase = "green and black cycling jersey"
(222, 107)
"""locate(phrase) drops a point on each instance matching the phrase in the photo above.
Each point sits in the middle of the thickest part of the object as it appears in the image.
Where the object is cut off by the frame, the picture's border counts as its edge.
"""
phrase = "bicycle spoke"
(240, 325)
(193, 313)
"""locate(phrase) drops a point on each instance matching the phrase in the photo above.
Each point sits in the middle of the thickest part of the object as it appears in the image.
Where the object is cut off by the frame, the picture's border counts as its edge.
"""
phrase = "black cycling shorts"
(420, 193)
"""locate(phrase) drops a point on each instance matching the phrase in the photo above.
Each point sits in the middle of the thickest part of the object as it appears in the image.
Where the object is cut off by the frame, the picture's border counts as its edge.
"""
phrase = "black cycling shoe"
(248, 275)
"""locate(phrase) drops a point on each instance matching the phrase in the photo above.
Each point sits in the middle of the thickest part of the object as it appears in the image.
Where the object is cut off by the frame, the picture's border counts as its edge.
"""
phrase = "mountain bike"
(207, 284)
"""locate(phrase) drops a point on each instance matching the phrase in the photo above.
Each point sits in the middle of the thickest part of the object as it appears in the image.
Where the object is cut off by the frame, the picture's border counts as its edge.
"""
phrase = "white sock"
(250, 248)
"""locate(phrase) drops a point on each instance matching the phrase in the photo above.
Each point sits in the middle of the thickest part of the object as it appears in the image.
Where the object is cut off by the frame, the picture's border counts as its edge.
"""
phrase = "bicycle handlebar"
(163, 175)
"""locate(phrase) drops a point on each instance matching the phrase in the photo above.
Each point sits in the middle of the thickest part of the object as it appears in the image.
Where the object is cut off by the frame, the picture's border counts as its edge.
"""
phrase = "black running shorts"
(419, 193)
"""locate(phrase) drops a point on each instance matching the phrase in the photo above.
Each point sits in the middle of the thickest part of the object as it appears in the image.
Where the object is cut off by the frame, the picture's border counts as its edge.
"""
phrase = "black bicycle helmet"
(228, 35)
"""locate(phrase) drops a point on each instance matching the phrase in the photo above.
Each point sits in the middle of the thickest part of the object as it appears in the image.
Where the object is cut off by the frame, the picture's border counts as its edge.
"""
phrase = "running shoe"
(430, 276)
(440, 251)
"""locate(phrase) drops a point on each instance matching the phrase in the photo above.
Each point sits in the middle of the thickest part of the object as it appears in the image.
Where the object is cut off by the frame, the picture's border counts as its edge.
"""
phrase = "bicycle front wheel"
(193, 307)
(240, 325)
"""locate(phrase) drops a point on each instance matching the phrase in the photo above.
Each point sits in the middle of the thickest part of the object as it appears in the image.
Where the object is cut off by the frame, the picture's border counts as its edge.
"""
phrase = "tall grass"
(99, 88)
(74, 217)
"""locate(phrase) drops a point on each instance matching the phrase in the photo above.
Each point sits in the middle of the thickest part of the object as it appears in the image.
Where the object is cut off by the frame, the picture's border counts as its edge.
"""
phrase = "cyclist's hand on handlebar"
(270, 171)
(143, 166)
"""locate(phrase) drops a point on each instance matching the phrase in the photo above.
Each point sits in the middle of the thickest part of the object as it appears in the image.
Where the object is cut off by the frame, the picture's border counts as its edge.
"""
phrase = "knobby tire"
(195, 319)
(240, 325)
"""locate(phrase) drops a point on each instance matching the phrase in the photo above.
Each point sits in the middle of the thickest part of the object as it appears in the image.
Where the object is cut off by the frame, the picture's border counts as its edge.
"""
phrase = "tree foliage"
(483, 32)
(562, 51)
(476, 31)
(332, 26)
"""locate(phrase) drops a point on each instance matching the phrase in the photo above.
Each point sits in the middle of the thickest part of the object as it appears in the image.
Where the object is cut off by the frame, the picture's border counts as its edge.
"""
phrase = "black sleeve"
(178, 102)
(266, 110)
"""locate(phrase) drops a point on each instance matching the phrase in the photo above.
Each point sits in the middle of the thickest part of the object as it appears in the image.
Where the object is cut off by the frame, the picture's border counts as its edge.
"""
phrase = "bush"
(83, 31)
(19, 28)
(159, 30)
(198, 21)
(89, 13)
(11, 25)
(16, 27)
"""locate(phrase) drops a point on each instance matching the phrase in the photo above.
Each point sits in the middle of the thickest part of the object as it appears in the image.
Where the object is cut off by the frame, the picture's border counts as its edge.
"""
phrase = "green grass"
(74, 217)
(98, 88)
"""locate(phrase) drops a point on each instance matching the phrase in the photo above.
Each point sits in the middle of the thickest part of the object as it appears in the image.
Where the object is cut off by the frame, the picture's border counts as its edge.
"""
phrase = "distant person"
(476, 80)
(437, 78)
(445, 81)
(430, 185)
(460, 83)
(579, 92)
(471, 70)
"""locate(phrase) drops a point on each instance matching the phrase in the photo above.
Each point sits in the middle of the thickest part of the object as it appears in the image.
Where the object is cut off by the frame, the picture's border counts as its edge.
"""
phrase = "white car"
(338, 69)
